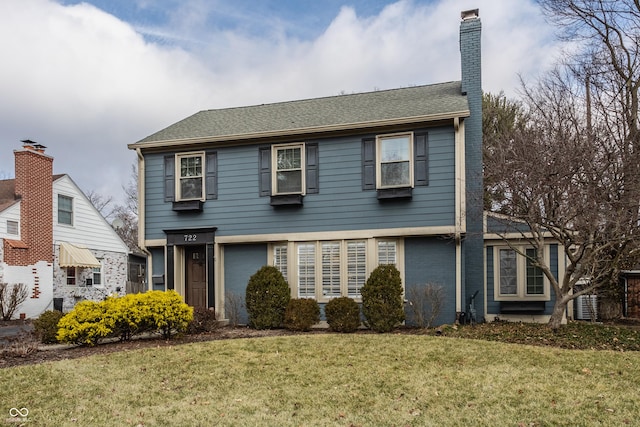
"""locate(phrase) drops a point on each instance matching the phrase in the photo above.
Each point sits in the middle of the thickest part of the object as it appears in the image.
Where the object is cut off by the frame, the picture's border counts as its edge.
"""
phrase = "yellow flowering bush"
(123, 317)
(85, 324)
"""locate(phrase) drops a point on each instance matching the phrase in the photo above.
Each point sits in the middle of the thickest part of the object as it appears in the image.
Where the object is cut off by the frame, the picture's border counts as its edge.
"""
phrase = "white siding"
(12, 213)
(89, 228)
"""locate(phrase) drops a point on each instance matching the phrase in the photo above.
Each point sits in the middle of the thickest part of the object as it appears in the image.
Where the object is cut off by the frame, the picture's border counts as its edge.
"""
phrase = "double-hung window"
(517, 276)
(395, 161)
(97, 275)
(71, 274)
(288, 169)
(190, 176)
(329, 269)
(65, 210)
(12, 227)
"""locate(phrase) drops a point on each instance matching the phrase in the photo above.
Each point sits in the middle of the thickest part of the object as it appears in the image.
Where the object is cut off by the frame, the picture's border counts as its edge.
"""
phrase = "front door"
(196, 276)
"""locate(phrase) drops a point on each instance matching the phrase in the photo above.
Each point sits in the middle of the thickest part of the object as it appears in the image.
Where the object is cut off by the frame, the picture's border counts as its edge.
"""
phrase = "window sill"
(515, 307)
(404, 193)
(188, 206)
(287, 200)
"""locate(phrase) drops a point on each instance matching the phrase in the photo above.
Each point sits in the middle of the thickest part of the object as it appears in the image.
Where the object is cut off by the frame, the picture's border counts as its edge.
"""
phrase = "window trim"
(370, 260)
(59, 209)
(274, 168)
(13, 224)
(411, 160)
(179, 177)
(521, 276)
(75, 276)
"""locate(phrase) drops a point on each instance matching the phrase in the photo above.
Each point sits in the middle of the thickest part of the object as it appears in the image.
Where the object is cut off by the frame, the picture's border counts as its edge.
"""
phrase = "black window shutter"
(211, 183)
(312, 169)
(169, 178)
(421, 161)
(369, 164)
(264, 171)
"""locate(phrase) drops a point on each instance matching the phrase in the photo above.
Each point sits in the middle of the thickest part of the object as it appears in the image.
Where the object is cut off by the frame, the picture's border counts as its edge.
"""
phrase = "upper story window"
(65, 210)
(288, 169)
(395, 161)
(190, 176)
(518, 276)
(12, 227)
(287, 172)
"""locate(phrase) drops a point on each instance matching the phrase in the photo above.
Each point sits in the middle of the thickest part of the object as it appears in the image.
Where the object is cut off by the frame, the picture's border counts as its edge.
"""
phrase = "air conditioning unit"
(587, 307)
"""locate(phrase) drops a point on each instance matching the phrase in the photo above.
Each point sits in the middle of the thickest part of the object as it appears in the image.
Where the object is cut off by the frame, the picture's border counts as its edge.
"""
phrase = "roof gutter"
(299, 131)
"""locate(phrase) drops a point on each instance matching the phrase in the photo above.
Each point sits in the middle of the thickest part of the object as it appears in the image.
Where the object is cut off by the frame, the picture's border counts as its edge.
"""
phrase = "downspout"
(141, 218)
(459, 201)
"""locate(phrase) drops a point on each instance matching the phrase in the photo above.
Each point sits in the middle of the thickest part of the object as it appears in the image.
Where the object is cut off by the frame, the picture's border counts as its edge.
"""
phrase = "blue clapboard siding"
(341, 204)
(240, 263)
(431, 260)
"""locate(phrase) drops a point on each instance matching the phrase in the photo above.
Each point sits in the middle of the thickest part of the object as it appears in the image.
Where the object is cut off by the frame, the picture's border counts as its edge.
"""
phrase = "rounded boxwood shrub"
(301, 314)
(266, 298)
(382, 303)
(46, 326)
(343, 314)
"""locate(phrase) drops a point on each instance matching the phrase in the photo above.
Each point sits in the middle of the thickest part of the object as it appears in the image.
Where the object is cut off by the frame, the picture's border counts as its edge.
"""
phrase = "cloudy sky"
(86, 78)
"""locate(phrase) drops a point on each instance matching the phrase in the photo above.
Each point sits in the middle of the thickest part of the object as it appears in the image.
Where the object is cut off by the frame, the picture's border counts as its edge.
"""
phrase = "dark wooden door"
(196, 276)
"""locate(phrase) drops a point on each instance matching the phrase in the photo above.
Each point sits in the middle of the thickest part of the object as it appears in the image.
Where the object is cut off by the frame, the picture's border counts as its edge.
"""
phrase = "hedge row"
(269, 305)
(123, 317)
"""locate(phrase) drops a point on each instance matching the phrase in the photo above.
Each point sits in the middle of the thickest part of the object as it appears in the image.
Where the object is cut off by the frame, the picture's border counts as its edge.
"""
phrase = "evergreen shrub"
(46, 326)
(342, 314)
(266, 299)
(382, 302)
(301, 314)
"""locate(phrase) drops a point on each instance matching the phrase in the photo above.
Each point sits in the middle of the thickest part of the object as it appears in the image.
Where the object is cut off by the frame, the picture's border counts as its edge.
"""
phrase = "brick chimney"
(34, 188)
(470, 59)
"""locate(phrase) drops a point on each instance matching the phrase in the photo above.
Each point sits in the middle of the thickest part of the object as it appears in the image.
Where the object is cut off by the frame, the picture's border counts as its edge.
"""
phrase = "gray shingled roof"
(318, 113)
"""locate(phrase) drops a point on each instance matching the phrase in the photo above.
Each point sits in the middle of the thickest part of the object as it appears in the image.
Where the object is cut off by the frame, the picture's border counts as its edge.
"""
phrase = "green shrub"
(266, 298)
(382, 303)
(46, 326)
(204, 320)
(301, 314)
(123, 317)
(343, 314)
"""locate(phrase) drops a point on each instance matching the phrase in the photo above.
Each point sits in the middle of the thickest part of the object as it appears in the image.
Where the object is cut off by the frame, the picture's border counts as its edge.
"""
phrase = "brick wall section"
(34, 185)
(473, 268)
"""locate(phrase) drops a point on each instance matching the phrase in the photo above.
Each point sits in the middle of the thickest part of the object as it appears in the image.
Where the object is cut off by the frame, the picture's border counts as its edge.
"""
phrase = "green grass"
(331, 380)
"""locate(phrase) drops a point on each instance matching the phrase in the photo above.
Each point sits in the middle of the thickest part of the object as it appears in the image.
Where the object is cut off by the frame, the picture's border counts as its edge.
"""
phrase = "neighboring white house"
(90, 258)
(53, 240)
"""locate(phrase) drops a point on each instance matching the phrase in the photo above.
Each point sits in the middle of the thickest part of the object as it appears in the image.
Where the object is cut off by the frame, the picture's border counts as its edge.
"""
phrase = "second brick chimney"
(34, 188)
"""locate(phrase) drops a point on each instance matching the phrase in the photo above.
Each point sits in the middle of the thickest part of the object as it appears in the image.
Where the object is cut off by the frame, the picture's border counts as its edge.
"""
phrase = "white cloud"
(85, 83)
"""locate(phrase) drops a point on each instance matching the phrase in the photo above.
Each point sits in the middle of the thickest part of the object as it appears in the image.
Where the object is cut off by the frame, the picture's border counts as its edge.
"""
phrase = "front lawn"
(331, 379)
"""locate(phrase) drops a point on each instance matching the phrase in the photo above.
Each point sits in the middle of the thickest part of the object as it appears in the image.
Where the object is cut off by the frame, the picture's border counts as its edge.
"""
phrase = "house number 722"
(190, 237)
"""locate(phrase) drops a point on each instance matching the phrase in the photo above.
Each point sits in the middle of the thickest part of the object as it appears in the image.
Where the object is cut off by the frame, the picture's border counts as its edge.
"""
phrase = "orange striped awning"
(76, 256)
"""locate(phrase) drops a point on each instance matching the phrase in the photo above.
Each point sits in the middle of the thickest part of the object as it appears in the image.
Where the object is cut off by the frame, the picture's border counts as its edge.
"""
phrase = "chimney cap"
(470, 14)
(28, 142)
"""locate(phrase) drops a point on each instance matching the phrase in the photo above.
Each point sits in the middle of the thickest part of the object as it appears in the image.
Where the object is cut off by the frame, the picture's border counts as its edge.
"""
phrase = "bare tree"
(570, 170)
(123, 217)
(11, 296)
